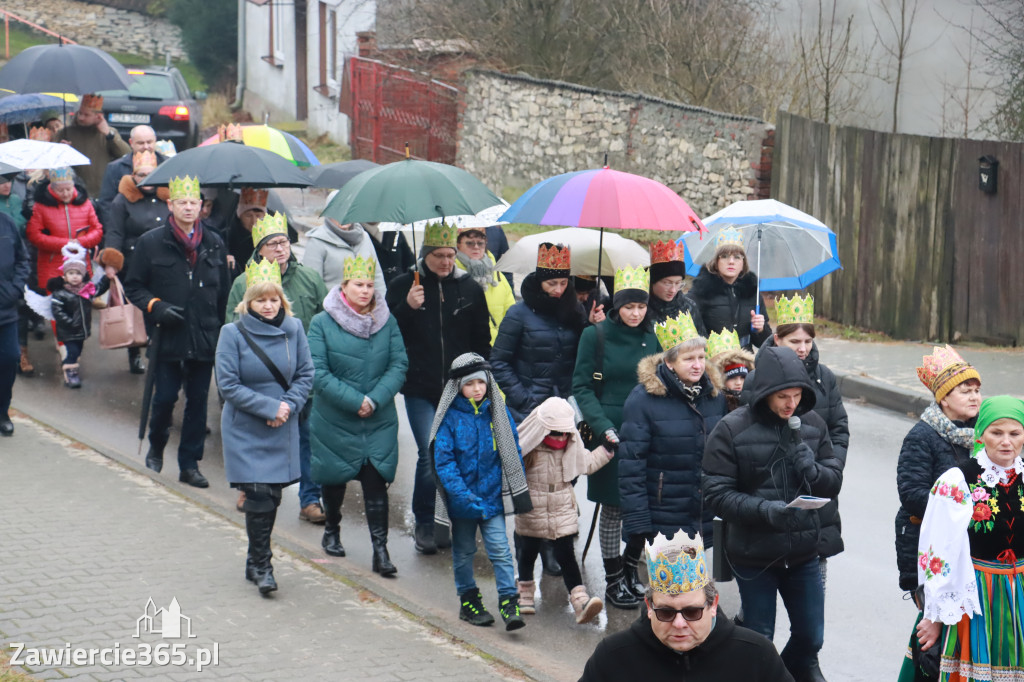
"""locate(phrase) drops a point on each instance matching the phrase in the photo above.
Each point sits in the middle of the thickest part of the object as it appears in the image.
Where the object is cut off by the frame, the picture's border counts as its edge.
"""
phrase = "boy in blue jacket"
(479, 470)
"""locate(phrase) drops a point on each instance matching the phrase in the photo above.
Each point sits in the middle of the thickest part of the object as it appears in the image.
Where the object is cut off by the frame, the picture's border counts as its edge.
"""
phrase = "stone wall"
(107, 28)
(515, 131)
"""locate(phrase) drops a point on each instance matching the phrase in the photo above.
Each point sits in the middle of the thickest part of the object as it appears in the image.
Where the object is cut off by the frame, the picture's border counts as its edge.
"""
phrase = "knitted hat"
(480, 374)
(584, 283)
(74, 259)
(944, 370)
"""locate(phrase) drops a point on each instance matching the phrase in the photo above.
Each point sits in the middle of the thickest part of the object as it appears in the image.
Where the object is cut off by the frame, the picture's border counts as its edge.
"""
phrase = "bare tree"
(894, 28)
(1006, 63)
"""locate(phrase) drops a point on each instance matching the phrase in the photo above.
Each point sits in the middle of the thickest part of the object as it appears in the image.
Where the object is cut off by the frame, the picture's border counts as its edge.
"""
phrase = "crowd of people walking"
(676, 407)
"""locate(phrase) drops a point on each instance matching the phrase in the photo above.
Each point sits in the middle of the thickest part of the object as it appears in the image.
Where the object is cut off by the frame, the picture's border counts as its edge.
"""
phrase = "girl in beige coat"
(554, 457)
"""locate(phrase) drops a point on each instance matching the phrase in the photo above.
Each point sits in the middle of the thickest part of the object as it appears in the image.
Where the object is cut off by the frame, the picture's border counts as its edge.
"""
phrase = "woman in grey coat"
(331, 243)
(262, 401)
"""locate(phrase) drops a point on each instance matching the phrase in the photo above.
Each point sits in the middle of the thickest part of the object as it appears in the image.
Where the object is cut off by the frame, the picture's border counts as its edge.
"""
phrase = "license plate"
(128, 118)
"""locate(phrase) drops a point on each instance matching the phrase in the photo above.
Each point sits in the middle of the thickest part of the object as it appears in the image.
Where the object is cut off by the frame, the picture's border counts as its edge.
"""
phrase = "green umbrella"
(407, 191)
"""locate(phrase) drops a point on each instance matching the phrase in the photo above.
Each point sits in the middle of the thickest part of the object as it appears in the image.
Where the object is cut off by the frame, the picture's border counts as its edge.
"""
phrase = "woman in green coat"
(360, 364)
(605, 374)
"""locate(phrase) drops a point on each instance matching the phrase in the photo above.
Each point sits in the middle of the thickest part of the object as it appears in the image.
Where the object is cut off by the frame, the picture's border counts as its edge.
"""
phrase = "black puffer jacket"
(452, 320)
(924, 456)
(752, 469)
(71, 312)
(659, 310)
(534, 353)
(728, 306)
(829, 406)
(159, 269)
(661, 452)
(133, 213)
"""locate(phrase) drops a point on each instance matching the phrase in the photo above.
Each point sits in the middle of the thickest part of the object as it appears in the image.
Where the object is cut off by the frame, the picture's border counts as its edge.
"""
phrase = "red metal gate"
(391, 106)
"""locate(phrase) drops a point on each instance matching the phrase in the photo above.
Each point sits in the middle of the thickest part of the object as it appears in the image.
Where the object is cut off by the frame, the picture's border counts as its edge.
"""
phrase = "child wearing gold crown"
(732, 362)
(665, 421)
(555, 457)
(479, 469)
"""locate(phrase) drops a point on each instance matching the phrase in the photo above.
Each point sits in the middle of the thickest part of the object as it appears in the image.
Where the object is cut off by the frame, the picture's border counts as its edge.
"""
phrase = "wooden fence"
(926, 254)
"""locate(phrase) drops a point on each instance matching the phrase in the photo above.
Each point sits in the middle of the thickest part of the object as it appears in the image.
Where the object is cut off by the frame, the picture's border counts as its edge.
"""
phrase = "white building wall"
(270, 89)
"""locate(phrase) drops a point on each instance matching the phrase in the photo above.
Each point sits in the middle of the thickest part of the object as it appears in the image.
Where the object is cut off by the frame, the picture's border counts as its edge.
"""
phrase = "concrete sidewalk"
(885, 374)
(88, 542)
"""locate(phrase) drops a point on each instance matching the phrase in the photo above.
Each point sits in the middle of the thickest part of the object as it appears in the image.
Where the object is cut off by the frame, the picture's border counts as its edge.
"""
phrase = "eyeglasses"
(277, 244)
(667, 615)
(474, 243)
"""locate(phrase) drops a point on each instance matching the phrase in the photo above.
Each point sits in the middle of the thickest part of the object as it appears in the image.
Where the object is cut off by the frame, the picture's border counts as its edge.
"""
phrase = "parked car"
(159, 97)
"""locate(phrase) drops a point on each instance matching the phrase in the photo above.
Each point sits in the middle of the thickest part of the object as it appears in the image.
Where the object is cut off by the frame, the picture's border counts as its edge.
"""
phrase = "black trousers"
(565, 553)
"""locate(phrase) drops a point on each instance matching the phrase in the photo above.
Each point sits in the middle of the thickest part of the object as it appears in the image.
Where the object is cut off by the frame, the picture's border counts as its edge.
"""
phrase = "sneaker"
(313, 513)
(472, 610)
(508, 607)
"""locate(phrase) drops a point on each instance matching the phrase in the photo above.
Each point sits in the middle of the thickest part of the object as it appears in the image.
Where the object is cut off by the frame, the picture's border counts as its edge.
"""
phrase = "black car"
(160, 98)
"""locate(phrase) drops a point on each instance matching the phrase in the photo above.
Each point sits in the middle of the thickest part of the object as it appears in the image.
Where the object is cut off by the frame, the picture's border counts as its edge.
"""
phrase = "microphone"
(794, 429)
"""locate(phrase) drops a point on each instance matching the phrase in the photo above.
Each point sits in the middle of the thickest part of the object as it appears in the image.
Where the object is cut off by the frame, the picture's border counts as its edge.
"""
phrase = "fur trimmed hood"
(647, 376)
(132, 193)
(708, 284)
(733, 357)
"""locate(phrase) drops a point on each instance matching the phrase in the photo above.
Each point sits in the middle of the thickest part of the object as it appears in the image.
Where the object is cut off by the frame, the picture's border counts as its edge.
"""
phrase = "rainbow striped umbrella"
(274, 140)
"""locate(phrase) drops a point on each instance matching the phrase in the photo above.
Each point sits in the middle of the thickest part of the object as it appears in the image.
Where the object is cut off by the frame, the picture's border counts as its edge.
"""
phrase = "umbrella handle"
(416, 278)
(757, 294)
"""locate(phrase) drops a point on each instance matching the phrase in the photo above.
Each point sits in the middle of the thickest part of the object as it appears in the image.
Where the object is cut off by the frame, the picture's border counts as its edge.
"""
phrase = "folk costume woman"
(969, 556)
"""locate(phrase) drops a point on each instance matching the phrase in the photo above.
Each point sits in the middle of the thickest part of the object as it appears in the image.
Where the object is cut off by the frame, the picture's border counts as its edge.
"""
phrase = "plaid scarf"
(188, 242)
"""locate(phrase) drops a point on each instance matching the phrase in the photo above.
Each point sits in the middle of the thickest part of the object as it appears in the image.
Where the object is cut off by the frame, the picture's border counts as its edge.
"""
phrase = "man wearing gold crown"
(178, 277)
(306, 293)
(442, 313)
(90, 134)
(757, 461)
(681, 634)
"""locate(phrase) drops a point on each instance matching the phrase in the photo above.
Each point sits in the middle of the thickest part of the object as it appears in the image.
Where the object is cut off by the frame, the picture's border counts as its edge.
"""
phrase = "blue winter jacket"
(467, 462)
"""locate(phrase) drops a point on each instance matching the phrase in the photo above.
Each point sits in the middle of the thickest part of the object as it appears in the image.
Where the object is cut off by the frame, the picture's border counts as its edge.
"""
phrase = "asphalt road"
(868, 622)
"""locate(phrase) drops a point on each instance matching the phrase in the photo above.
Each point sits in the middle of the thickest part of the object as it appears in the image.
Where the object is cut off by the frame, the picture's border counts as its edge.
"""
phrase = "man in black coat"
(758, 460)
(178, 277)
(14, 273)
(441, 317)
(141, 139)
(681, 635)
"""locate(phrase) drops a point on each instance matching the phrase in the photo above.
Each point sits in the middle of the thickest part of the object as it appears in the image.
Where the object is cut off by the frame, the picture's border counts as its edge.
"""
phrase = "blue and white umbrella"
(25, 108)
(787, 248)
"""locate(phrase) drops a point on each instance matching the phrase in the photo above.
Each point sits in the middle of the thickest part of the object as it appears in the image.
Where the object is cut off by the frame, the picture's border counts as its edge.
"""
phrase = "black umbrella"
(231, 165)
(76, 69)
(7, 170)
(335, 175)
(147, 389)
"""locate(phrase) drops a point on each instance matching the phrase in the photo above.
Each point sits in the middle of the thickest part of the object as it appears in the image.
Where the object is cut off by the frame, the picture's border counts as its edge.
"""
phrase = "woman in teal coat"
(605, 374)
(360, 364)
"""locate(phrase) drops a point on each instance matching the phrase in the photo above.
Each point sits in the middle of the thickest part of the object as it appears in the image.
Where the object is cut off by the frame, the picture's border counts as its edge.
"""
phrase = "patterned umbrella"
(38, 154)
(27, 107)
(281, 143)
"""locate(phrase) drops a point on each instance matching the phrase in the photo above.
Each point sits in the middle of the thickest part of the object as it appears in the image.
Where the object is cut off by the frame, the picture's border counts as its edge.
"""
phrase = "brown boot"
(526, 590)
(313, 513)
(25, 367)
(585, 606)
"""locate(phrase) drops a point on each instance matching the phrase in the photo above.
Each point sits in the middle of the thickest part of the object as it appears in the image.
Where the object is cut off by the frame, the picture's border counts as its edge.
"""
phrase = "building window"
(277, 28)
(329, 68)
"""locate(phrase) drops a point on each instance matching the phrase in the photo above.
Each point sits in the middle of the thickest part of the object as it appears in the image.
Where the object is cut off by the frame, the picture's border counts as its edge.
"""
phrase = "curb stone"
(886, 396)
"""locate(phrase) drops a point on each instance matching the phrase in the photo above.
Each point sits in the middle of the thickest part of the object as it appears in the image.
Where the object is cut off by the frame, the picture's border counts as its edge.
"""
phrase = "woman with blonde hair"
(265, 373)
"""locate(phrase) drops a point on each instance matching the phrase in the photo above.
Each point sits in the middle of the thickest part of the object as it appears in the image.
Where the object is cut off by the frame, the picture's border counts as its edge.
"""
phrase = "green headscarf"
(994, 409)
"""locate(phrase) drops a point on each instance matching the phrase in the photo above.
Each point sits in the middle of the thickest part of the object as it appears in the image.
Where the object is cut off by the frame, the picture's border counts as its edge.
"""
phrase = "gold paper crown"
(232, 131)
(439, 235)
(62, 174)
(666, 252)
(254, 197)
(359, 268)
(42, 134)
(673, 332)
(268, 225)
(794, 310)
(184, 187)
(632, 278)
(261, 270)
(730, 236)
(553, 257)
(720, 342)
(685, 572)
(143, 160)
(943, 370)
(91, 102)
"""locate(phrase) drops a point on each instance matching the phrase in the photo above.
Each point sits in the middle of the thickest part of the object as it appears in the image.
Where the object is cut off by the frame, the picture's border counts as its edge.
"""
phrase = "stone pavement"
(88, 542)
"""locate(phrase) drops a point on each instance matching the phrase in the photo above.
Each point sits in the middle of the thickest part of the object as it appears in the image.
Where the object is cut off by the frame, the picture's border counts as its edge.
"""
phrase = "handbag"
(121, 324)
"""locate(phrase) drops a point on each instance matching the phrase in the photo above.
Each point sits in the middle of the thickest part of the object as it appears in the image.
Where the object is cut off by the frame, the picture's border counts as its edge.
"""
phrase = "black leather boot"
(616, 592)
(262, 524)
(155, 458)
(548, 560)
(333, 497)
(377, 520)
(630, 562)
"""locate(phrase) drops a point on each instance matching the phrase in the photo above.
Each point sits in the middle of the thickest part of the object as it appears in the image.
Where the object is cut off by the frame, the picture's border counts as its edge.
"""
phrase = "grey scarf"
(352, 236)
(934, 417)
(362, 325)
(514, 493)
(480, 269)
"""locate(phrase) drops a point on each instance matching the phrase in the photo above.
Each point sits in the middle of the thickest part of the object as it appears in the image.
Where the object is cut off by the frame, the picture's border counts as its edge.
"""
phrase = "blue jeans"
(495, 542)
(10, 355)
(421, 416)
(309, 492)
(170, 375)
(802, 593)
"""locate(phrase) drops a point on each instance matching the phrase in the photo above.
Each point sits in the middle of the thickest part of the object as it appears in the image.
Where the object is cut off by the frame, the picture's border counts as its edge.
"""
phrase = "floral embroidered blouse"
(971, 514)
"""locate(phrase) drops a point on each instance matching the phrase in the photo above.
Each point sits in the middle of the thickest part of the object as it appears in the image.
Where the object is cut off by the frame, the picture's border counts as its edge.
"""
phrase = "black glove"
(803, 460)
(777, 515)
(611, 439)
(168, 315)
